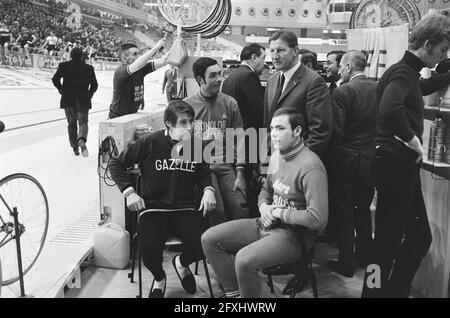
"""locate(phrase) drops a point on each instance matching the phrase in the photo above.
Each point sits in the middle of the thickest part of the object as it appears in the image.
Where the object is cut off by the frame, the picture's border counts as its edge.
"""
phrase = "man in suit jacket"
(297, 86)
(353, 150)
(245, 87)
(331, 66)
(77, 90)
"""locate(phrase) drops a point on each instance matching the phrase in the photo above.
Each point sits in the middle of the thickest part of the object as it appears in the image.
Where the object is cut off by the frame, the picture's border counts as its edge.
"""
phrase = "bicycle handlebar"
(2, 126)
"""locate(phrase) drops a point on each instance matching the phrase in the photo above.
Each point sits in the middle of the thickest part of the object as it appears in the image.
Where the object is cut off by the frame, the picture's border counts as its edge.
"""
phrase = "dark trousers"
(156, 227)
(402, 231)
(352, 195)
(77, 120)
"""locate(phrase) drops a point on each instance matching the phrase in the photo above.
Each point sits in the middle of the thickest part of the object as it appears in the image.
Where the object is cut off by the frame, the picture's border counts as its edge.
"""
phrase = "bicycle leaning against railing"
(24, 218)
(14, 58)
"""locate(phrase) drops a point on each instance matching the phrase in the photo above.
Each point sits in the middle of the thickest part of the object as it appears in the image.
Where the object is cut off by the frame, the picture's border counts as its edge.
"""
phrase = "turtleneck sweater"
(297, 180)
(213, 116)
(401, 106)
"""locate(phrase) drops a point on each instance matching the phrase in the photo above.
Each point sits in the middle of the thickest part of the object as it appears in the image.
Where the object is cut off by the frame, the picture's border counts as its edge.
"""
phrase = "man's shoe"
(341, 269)
(188, 282)
(157, 292)
(84, 150)
(76, 151)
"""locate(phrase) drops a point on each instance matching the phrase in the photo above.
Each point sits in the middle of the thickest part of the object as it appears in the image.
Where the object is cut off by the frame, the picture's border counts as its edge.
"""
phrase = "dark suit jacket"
(79, 84)
(354, 116)
(308, 93)
(170, 80)
(244, 85)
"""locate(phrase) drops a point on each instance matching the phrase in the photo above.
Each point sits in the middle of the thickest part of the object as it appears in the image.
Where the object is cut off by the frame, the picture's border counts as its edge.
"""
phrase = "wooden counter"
(432, 278)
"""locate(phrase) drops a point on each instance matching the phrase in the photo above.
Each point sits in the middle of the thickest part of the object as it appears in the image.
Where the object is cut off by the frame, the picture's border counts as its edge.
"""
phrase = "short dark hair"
(286, 36)
(251, 49)
(339, 55)
(295, 118)
(201, 65)
(176, 107)
(308, 57)
(126, 46)
(76, 54)
(434, 27)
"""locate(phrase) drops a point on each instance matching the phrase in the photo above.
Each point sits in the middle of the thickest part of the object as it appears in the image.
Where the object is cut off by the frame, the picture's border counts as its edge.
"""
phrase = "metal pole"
(19, 252)
(199, 43)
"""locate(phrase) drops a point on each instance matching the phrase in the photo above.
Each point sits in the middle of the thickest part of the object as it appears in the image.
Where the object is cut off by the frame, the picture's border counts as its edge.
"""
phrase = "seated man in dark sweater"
(168, 196)
(293, 203)
(402, 230)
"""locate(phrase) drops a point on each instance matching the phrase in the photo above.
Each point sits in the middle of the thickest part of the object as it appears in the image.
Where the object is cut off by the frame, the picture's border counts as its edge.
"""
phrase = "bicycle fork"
(18, 233)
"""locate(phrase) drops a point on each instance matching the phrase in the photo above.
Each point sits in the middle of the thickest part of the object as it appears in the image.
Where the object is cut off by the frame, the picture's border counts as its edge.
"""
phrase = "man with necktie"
(297, 86)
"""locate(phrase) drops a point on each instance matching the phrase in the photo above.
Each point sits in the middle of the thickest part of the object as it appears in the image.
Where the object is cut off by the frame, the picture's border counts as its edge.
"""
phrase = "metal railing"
(22, 60)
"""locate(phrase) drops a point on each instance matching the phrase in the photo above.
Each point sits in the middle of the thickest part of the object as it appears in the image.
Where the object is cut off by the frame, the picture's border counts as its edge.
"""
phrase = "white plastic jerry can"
(111, 246)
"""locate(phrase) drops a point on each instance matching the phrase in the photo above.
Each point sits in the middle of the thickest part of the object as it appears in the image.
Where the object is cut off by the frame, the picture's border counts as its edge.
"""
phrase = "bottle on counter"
(436, 145)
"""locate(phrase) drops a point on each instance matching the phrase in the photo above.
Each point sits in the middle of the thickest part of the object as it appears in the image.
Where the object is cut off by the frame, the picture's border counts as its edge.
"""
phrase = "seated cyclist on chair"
(168, 198)
(293, 204)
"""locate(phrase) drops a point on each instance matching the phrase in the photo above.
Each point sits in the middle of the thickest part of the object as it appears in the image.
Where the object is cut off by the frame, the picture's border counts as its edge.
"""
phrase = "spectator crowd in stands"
(38, 18)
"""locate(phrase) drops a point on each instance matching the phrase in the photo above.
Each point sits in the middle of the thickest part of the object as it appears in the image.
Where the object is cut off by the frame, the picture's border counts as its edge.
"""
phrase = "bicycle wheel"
(16, 60)
(25, 193)
(42, 63)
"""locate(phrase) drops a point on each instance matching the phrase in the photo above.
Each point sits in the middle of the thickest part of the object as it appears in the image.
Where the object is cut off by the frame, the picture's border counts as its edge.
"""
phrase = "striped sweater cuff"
(209, 188)
(284, 215)
(128, 191)
(234, 294)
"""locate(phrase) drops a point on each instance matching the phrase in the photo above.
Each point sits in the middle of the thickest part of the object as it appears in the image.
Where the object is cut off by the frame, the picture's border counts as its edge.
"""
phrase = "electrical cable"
(107, 148)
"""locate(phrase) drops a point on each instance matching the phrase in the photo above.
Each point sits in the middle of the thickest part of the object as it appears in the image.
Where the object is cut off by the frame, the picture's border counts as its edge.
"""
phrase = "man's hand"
(208, 203)
(135, 202)
(276, 212)
(415, 145)
(160, 44)
(240, 185)
(267, 218)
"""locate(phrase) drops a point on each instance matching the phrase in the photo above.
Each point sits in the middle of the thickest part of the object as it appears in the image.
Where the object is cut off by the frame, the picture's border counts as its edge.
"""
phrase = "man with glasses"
(128, 95)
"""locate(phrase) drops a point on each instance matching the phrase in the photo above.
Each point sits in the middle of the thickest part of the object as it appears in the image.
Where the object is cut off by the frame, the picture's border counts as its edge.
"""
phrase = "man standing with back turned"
(77, 90)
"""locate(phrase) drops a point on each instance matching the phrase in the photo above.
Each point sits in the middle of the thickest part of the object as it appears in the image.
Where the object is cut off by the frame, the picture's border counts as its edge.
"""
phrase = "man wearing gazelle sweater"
(292, 203)
(168, 199)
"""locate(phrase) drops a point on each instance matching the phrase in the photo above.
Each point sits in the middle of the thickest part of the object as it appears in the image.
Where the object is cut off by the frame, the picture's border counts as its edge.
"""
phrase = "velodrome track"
(36, 142)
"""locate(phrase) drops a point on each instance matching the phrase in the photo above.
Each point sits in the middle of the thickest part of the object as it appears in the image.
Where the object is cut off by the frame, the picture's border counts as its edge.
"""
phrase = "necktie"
(279, 89)
(332, 87)
(278, 93)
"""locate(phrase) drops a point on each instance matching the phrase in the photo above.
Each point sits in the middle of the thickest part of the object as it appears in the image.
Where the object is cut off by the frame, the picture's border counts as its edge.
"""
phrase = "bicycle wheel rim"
(36, 227)
(221, 25)
(193, 28)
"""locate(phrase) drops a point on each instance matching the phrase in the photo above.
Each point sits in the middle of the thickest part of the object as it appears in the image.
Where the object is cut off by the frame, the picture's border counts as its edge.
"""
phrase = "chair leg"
(208, 279)
(140, 274)
(133, 258)
(314, 284)
(196, 268)
(270, 283)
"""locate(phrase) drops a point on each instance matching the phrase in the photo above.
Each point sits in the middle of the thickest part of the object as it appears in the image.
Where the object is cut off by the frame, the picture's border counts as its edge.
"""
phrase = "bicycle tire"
(41, 63)
(16, 60)
(30, 261)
